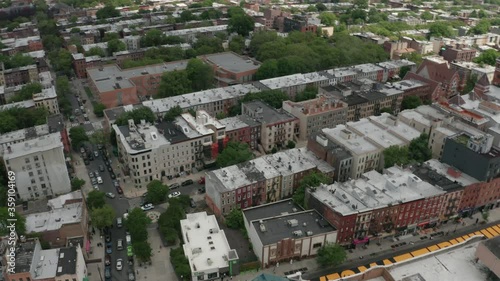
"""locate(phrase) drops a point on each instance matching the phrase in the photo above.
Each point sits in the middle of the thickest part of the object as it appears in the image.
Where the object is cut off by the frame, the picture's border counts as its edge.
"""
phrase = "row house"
(333, 154)
(458, 53)
(81, 63)
(18, 76)
(294, 84)
(393, 68)
(243, 129)
(23, 45)
(129, 55)
(266, 179)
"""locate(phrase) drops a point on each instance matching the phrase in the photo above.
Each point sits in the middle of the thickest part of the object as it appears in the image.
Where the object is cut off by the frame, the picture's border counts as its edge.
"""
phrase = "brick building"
(451, 53)
(81, 63)
(230, 68)
(242, 129)
(18, 76)
(496, 77)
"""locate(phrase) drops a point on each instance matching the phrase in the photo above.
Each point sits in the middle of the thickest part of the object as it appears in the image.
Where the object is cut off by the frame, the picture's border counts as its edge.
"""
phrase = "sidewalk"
(372, 250)
(95, 260)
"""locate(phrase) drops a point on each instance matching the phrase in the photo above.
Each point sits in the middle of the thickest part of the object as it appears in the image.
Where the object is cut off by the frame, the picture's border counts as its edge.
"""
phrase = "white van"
(119, 244)
(119, 222)
(128, 239)
(99, 180)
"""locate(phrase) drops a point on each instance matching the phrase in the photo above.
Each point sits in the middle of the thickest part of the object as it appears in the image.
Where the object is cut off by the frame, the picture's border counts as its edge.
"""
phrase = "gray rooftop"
(265, 113)
(232, 62)
(67, 261)
(271, 210)
(493, 245)
(31, 146)
(54, 219)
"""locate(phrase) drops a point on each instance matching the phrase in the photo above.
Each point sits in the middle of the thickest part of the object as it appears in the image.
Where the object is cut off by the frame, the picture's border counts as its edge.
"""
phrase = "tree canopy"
(311, 180)
(234, 219)
(157, 192)
(27, 92)
(172, 113)
(310, 92)
(76, 184)
(5, 215)
(331, 255)
(17, 60)
(103, 217)
(17, 118)
(234, 153)
(274, 98)
(78, 137)
(396, 155)
(96, 199)
(440, 29)
(108, 11)
(142, 250)
(174, 83)
(488, 57)
(242, 24)
(137, 222)
(180, 263)
(115, 45)
(417, 152)
(411, 102)
(138, 114)
(200, 74)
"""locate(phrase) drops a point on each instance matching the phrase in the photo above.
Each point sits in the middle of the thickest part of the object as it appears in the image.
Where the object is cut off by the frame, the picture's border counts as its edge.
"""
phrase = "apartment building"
(34, 263)
(150, 152)
(467, 68)
(277, 126)
(333, 154)
(65, 222)
(18, 76)
(316, 114)
(293, 84)
(82, 62)
(376, 203)
(242, 128)
(47, 99)
(23, 45)
(456, 53)
(115, 86)
(206, 248)
(230, 68)
(245, 185)
(392, 68)
(369, 71)
(282, 231)
(190, 34)
(40, 167)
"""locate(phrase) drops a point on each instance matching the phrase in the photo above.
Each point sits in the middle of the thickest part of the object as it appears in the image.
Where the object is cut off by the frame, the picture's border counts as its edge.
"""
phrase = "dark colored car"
(202, 190)
(110, 169)
(119, 190)
(109, 248)
(108, 238)
(187, 182)
(107, 260)
(107, 273)
(112, 175)
(86, 161)
(101, 168)
(106, 163)
(192, 203)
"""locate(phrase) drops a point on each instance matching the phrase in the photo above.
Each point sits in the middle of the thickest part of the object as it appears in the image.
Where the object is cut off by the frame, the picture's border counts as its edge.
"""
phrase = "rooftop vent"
(293, 223)
(262, 228)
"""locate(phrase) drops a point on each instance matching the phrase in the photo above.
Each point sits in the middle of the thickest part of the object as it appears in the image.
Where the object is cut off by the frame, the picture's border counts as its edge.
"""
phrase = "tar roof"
(266, 113)
(271, 210)
(24, 254)
(232, 62)
(304, 223)
(67, 261)
(438, 174)
(171, 132)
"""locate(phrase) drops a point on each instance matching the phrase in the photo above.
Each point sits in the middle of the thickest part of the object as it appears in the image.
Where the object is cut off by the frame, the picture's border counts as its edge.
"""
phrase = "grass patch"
(89, 93)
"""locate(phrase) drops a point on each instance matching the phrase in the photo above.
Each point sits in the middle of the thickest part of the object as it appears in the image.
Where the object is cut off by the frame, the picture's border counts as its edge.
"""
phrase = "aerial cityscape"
(254, 140)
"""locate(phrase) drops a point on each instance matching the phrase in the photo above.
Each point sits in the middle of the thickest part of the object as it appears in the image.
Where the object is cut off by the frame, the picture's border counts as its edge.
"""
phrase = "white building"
(206, 247)
(40, 167)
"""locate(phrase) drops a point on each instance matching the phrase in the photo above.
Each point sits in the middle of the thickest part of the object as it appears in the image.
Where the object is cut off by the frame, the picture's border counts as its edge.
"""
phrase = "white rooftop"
(182, 32)
(40, 144)
(36, 54)
(47, 93)
(19, 135)
(293, 80)
(205, 244)
(21, 104)
(356, 144)
(474, 106)
(54, 219)
(407, 84)
(233, 123)
(46, 267)
(341, 72)
(367, 67)
(60, 201)
(395, 127)
(442, 169)
(140, 137)
(373, 132)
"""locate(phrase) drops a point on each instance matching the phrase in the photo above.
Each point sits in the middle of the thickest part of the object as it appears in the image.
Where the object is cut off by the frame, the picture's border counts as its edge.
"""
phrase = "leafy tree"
(234, 11)
(396, 155)
(78, 136)
(327, 18)
(426, 15)
(414, 57)
(311, 9)
(108, 36)
(186, 16)
(242, 24)
(174, 83)
(403, 70)
(61, 60)
(99, 136)
(27, 92)
(99, 109)
(234, 219)
(387, 110)
(290, 144)
(473, 14)
(211, 14)
(309, 93)
(200, 74)
(107, 12)
(138, 114)
(274, 98)
(361, 4)
(142, 250)
(5, 215)
(411, 102)
(488, 57)
(331, 255)
(96, 51)
(76, 184)
(115, 45)
(52, 42)
(96, 199)
(234, 153)
(419, 150)
(153, 37)
(237, 44)
(137, 222)
(157, 192)
(17, 118)
(481, 27)
(269, 69)
(321, 7)
(470, 84)
(311, 180)
(18, 60)
(103, 217)
(180, 263)
(260, 38)
(440, 29)
(172, 113)
(482, 14)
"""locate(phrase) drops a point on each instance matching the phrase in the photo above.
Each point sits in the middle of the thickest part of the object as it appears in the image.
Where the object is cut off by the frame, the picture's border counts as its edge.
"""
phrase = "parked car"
(192, 203)
(99, 180)
(119, 264)
(174, 194)
(174, 186)
(187, 182)
(96, 173)
(116, 183)
(110, 195)
(91, 174)
(109, 248)
(201, 180)
(96, 153)
(106, 163)
(131, 276)
(112, 175)
(93, 181)
(96, 187)
(86, 117)
(110, 169)
(107, 273)
(119, 190)
(108, 238)
(107, 260)
(202, 190)
(101, 168)
(147, 207)
(86, 161)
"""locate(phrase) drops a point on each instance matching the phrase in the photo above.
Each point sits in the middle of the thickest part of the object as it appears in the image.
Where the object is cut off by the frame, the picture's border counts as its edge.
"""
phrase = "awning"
(87, 246)
(422, 224)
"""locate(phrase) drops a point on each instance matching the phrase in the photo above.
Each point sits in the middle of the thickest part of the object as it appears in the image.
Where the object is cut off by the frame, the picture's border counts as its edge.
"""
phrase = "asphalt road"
(120, 204)
(315, 275)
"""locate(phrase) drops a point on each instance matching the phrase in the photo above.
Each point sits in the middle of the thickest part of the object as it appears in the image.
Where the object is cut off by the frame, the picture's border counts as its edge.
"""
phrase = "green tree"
(172, 113)
(386, 110)
(473, 14)
(331, 255)
(327, 18)
(5, 215)
(260, 38)
(481, 27)
(419, 150)
(309, 93)
(142, 250)
(108, 36)
(76, 184)
(103, 217)
(488, 57)
(52, 42)
(361, 4)
(115, 45)
(137, 222)
(242, 24)
(99, 109)
(274, 98)
(174, 83)
(27, 92)
(234, 219)
(96, 199)
(96, 51)
(269, 69)
(107, 12)
(99, 136)
(61, 60)
(311, 180)
(234, 153)
(321, 7)
(290, 144)
(153, 37)
(413, 57)
(138, 114)
(426, 15)
(403, 70)
(470, 84)
(396, 155)
(237, 44)
(180, 263)
(440, 29)
(78, 136)
(157, 192)
(411, 102)
(200, 74)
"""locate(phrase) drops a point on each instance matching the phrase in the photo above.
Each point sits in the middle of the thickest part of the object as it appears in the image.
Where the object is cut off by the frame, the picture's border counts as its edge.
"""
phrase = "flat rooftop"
(54, 219)
(395, 127)
(265, 113)
(233, 123)
(140, 137)
(33, 146)
(231, 62)
(60, 201)
(293, 80)
(25, 251)
(19, 135)
(307, 223)
(276, 209)
(111, 77)
(47, 266)
(375, 133)
(357, 144)
(205, 244)
(67, 261)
